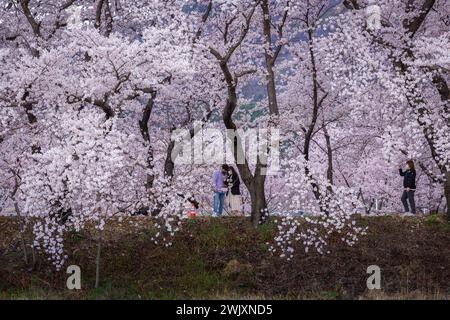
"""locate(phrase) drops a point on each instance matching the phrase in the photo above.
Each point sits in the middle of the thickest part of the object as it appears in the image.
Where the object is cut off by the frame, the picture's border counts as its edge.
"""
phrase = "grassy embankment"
(227, 258)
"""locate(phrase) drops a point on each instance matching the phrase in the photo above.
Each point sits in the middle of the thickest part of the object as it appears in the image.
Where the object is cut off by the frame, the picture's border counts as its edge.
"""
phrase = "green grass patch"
(216, 235)
(267, 230)
(437, 221)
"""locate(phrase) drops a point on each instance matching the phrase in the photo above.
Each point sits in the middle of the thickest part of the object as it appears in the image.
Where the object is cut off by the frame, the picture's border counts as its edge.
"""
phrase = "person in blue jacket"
(219, 189)
(409, 185)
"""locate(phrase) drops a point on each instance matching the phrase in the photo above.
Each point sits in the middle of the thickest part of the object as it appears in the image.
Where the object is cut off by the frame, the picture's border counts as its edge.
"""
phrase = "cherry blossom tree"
(414, 45)
(75, 115)
(96, 95)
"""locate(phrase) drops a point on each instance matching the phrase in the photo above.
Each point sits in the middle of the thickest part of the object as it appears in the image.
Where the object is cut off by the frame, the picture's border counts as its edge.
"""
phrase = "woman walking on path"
(233, 198)
(409, 185)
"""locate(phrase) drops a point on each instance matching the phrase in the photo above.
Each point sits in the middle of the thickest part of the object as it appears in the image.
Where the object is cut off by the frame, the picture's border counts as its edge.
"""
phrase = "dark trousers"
(409, 196)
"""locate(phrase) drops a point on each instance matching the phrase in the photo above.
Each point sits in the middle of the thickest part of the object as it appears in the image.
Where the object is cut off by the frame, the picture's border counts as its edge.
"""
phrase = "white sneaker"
(408, 214)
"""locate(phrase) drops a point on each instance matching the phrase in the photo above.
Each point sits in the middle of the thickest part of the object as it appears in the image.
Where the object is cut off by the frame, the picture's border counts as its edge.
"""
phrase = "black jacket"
(234, 184)
(409, 178)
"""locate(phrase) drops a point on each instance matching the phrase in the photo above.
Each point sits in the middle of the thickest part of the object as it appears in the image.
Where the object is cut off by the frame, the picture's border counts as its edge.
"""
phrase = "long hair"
(410, 163)
(234, 172)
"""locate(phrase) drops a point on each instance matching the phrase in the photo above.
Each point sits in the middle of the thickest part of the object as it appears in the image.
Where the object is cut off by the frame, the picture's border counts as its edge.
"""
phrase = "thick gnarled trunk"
(258, 200)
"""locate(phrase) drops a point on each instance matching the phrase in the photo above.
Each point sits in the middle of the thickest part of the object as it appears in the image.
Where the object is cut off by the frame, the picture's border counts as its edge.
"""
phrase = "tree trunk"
(22, 230)
(329, 158)
(169, 165)
(23, 221)
(258, 200)
(272, 52)
(253, 182)
(97, 259)
(33, 257)
(447, 193)
(309, 133)
(143, 125)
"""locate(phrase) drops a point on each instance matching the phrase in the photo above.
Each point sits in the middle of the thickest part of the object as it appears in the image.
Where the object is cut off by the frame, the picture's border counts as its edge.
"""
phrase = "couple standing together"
(227, 191)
